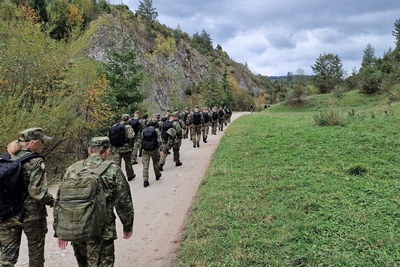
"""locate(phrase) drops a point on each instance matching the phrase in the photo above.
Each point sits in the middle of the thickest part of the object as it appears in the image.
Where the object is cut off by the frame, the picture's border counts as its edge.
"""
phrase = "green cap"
(101, 142)
(33, 134)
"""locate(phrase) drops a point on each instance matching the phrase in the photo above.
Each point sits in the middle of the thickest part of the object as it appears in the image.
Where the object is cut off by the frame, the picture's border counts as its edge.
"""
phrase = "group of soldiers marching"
(154, 138)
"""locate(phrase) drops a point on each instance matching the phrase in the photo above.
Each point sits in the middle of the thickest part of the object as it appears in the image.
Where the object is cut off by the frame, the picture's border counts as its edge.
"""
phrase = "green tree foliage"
(147, 11)
(229, 98)
(369, 57)
(328, 72)
(202, 42)
(30, 63)
(396, 33)
(371, 79)
(125, 75)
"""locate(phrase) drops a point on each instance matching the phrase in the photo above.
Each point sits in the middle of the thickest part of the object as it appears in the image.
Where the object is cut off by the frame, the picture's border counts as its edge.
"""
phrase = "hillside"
(302, 194)
(172, 73)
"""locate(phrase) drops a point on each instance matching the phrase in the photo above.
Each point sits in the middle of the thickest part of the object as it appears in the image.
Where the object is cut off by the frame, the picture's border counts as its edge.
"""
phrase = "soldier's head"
(125, 118)
(99, 145)
(151, 123)
(137, 114)
(196, 108)
(31, 139)
(173, 116)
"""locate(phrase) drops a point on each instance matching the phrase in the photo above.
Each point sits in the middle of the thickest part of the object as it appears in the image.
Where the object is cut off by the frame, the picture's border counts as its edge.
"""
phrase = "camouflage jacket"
(118, 195)
(189, 120)
(36, 182)
(127, 147)
(160, 141)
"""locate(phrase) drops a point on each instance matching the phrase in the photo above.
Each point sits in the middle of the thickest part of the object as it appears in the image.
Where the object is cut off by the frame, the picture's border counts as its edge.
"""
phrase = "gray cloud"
(275, 37)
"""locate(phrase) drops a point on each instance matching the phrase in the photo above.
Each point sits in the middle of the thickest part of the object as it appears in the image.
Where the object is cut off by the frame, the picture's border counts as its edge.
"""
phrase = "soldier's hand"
(62, 244)
(128, 234)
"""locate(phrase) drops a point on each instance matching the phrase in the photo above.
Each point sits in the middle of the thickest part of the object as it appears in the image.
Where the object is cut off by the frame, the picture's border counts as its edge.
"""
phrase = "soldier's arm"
(38, 188)
(123, 199)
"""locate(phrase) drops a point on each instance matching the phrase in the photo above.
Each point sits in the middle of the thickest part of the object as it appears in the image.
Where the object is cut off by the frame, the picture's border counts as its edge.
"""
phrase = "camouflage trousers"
(221, 122)
(205, 130)
(137, 146)
(127, 156)
(195, 131)
(10, 239)
(99, 253)
(155, 156)
(185, 132)
(175, 149)
(214, 125)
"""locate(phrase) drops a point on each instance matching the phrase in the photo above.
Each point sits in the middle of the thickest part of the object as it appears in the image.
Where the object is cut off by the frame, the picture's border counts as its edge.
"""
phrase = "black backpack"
(214, 115)
(117, 135)
(206, 117)
(221, 113)
(13, 192)
(135, 125)
(196, 118)
(149, 140)
(166, 126)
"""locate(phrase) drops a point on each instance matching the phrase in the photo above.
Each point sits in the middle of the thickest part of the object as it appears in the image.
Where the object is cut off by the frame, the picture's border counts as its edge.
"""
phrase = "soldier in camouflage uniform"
(221, 119)
(207, 122)
(151, 152)
(125, 151)
(214, 120)
(32, 219)
(172, 134)
(101, 252)
(184, 116)
(138, 135)
(196, 121)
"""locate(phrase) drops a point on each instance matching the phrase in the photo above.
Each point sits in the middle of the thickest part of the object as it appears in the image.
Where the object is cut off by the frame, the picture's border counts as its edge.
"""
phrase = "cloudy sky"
(281, 36)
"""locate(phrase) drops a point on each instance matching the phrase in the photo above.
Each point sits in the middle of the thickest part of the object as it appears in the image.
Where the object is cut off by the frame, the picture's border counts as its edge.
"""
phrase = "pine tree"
(369, 58)
(147, 11)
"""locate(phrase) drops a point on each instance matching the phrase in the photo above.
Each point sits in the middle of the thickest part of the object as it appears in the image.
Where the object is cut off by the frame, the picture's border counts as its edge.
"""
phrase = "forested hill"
(73, 67)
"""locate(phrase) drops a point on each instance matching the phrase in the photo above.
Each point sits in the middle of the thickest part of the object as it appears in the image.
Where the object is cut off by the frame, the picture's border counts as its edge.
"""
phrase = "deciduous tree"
(328, 72)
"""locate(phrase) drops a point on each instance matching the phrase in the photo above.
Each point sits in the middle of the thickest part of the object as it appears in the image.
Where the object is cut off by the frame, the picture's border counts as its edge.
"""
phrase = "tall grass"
(283, 191)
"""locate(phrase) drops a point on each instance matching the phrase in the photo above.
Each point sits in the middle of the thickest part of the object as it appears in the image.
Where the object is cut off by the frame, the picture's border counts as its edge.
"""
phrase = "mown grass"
(282, 191)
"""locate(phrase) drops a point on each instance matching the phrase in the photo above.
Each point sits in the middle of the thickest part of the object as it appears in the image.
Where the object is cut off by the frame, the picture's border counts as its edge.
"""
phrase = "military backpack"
(117, 135)
(135, 125)
(81, 211)
(13, 192)
(149, 141)
(196, 118)
(214, 115)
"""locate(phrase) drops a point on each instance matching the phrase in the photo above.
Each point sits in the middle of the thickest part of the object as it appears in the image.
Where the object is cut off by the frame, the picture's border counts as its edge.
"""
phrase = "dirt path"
(161, 211)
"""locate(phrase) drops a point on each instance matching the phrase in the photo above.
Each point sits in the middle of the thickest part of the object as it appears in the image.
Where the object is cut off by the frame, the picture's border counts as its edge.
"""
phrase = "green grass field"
(282, 191)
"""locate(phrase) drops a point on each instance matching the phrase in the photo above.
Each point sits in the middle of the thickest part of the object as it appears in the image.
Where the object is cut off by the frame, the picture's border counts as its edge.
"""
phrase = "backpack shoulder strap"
(102, 167)
(99, 170)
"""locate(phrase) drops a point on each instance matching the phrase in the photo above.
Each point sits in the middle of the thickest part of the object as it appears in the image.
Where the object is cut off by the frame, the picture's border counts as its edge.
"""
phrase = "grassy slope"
(279, 192)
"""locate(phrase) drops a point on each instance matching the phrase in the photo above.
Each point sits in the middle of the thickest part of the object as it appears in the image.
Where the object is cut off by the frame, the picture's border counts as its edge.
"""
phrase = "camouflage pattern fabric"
(195, 130)
(94, 253)
(137, 141)
(101, 252)
(117, 192)
(154, 155)
(125, 152)
(205, 130)
(174, 143)
(34, 222)
(127, 147)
